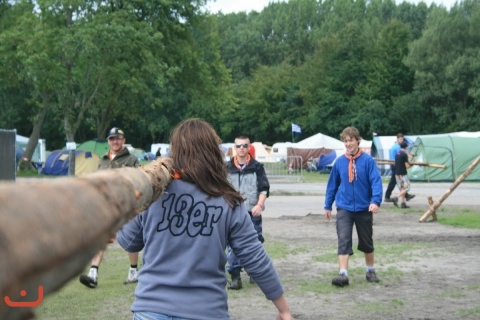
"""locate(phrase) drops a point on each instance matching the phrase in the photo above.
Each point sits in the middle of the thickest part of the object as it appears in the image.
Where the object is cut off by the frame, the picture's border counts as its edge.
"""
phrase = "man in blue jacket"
(356, 187)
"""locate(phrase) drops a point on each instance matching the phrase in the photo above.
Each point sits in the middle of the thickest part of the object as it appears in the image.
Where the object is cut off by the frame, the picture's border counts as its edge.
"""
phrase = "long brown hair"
(196, 154)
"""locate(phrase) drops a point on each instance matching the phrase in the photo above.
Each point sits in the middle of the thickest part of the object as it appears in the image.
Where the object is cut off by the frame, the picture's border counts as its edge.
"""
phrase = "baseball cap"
(115, 132)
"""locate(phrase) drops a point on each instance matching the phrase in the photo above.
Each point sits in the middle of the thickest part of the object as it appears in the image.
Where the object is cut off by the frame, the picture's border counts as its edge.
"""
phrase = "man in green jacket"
(117, 157)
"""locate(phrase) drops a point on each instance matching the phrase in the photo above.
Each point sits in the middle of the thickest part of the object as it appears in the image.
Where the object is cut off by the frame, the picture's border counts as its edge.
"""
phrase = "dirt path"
(428, 271)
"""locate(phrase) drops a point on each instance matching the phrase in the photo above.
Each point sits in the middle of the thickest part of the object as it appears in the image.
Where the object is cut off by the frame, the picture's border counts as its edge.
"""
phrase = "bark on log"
(50, 229)
(431, 204)
(413, 163)
(457, 182)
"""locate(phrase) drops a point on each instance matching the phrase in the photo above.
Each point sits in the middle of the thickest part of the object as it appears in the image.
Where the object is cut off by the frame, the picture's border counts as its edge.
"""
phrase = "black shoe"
(404, 206)
(395, 201)
(388, 200)
(371, 276)
(87, 281)
(409, 196)
(236, 284)
(340, 280)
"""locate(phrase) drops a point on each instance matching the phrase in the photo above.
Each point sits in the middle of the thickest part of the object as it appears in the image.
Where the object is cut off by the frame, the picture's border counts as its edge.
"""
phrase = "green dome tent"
(99, 146)
(455, 152)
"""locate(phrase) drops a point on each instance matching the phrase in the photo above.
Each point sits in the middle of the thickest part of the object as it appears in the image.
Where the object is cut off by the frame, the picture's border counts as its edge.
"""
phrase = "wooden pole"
(51, 228)
(434, 205)
(423, 164)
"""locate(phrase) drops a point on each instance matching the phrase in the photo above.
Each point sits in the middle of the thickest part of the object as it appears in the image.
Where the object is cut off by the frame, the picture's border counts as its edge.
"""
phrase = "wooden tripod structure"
(51, 228)
(435, 204)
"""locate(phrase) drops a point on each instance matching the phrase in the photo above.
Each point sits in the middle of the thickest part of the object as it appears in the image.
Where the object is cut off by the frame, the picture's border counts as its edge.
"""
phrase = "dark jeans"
(392, 183)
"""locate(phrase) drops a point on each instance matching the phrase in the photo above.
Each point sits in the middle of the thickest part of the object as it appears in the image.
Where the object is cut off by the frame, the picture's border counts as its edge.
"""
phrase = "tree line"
(71, 69)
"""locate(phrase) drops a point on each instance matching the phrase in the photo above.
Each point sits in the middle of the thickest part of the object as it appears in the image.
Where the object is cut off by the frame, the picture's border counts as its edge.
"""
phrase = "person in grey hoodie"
(184, 235)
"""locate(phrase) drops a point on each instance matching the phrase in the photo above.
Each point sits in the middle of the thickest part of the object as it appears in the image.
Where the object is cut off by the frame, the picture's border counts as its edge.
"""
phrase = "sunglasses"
(115, 138)
(245, 145)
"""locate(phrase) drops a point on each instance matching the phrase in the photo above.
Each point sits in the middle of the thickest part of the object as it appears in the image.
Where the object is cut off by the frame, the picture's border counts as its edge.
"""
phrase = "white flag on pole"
(296, 128)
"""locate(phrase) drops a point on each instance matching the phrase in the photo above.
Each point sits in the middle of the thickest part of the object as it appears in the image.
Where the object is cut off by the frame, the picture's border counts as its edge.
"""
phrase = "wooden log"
(431, 205)
(414, 163)
(51, 228)
(457, 182)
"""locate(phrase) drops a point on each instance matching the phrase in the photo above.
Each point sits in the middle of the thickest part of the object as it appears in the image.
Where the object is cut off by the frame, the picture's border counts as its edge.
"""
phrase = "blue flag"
(296, 128)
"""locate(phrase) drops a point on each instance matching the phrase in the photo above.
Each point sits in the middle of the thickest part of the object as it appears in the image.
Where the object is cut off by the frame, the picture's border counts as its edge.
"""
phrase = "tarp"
(366, 146)
(58, 161)
(456, 151)
(165, 151)
(39, 154)
(381, 146)
(139, 153)
(325, 160)
(99, 146)
(261, 152)
(279, 150)
(313, 147)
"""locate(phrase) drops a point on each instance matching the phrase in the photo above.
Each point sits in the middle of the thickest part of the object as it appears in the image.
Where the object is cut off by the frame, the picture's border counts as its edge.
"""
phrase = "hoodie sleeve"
(243, 240)
(332, 187)
(130, 236)
(376, 183)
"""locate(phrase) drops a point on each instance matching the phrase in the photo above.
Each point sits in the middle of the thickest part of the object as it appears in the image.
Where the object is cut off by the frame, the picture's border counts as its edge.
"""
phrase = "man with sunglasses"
(248, 177)
(117, 157)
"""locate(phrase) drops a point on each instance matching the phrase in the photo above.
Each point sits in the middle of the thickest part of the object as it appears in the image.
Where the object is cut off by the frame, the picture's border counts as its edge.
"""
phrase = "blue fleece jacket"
(356, 196)
(184, 235)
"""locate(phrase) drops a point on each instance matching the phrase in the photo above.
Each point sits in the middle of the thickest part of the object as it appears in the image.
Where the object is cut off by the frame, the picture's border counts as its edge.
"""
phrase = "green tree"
(267, 104)
(445, 61)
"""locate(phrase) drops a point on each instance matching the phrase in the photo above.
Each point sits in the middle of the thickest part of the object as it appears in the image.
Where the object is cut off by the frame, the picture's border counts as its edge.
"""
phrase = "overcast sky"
(227, 6)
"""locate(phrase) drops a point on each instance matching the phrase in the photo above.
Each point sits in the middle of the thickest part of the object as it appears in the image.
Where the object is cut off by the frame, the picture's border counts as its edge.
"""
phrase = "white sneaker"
(89, 280)
(93, 274)
(132, 276)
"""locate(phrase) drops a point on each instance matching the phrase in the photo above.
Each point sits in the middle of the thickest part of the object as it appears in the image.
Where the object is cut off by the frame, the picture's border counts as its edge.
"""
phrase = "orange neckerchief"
(235, 162)
(350, 165)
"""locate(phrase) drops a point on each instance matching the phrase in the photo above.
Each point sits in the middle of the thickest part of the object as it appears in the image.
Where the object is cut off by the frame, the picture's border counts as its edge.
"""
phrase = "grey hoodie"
(184, 235)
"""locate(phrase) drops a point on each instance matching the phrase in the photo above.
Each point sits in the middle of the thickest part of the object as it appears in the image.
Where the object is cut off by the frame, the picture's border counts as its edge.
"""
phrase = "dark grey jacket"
(250, 181)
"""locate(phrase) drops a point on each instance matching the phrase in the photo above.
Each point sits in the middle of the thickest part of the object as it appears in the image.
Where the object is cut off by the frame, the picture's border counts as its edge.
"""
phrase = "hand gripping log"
(51, 228)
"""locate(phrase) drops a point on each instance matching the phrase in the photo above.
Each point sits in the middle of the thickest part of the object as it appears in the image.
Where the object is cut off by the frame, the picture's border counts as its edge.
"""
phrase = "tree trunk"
(26, 161)
(47, 239)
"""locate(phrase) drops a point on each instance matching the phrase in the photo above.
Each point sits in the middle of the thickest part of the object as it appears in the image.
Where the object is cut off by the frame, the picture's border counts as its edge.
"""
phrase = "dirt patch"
(427, 271)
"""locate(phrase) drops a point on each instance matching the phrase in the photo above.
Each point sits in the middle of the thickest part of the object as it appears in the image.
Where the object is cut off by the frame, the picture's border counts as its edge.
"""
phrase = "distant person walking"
(393, 180)
(248, 177)
(403, 183)
(117, 157)
(356, 187)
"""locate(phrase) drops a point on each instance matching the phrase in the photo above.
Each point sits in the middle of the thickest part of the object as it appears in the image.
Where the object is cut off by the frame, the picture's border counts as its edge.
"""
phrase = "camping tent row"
(87, 158)
(320, 149)
(456, 151)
